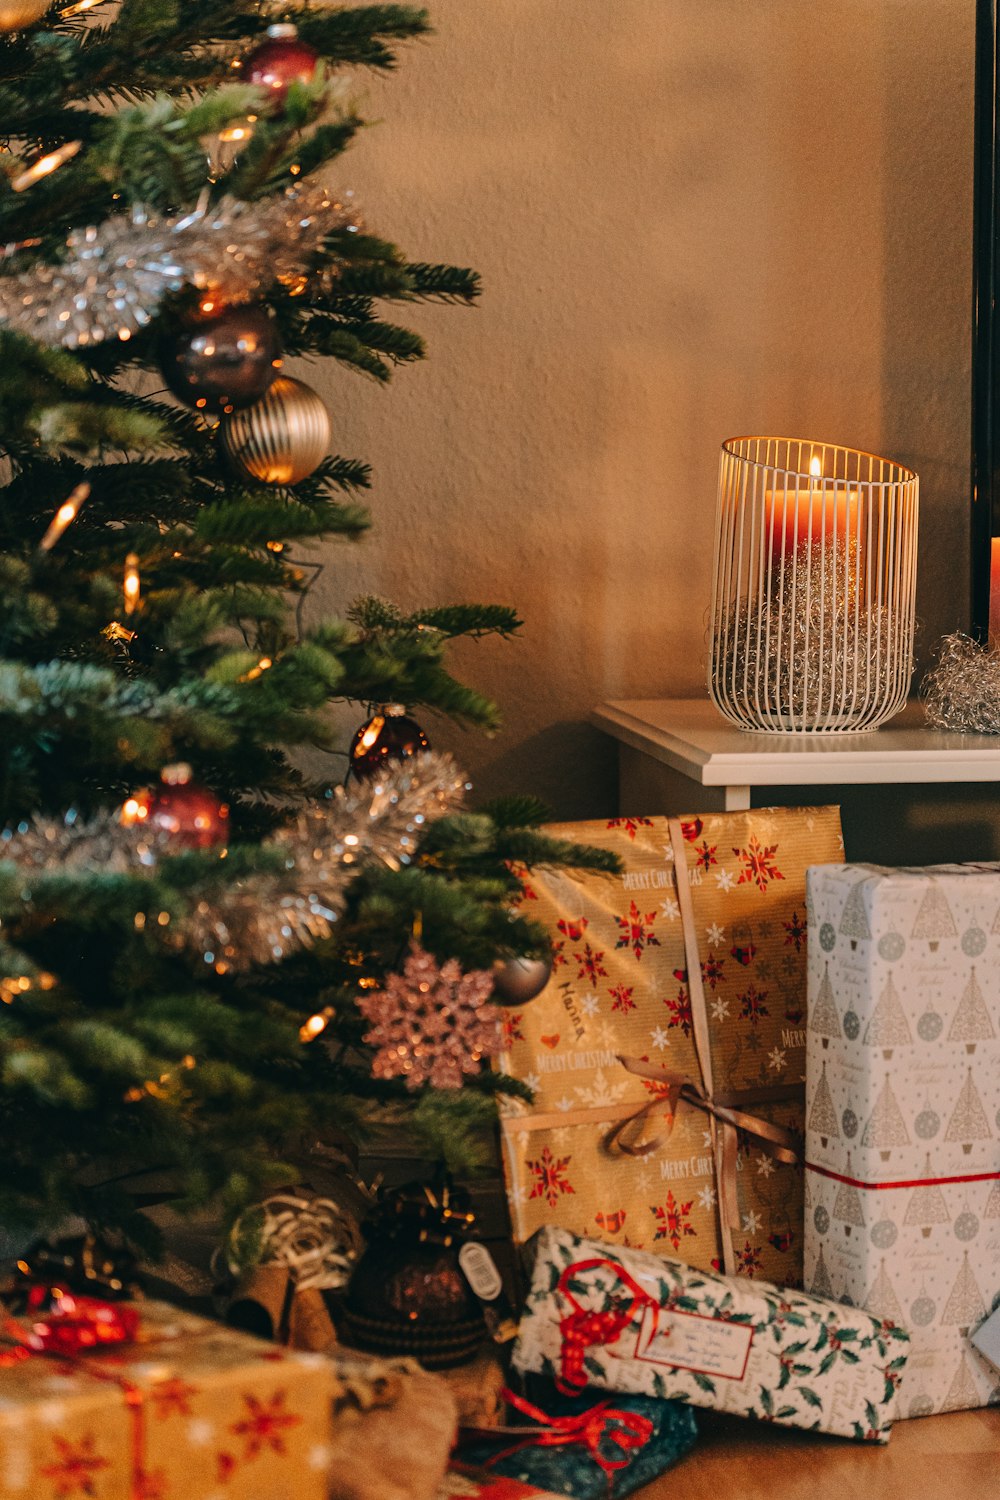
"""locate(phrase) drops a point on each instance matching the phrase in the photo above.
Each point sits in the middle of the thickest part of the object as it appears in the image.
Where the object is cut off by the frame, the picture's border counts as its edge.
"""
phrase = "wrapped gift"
(626, 1321)
(183, 1407)
(461, 1483)
(393, 1429)
(903, 1144)
(667, 1052)
(585, 1447)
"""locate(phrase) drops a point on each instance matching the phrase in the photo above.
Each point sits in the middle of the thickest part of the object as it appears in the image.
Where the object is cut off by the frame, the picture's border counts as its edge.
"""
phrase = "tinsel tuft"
(431, 1024)
(262, 917)
(114, 275)
(813, 648)
(962, 691)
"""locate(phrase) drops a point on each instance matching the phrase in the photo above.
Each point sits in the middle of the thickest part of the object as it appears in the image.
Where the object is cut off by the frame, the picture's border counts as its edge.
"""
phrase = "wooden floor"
(956, 1457)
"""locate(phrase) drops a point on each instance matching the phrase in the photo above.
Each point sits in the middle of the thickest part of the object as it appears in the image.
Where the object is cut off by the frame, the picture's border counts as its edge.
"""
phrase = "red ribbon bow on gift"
(583, 1328)
(602, 1423)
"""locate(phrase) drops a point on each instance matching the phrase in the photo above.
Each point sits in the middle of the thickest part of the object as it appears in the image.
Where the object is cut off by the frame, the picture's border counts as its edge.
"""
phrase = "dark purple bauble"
(389, 735)
(516, 981)
(281, 60)
(222, 363)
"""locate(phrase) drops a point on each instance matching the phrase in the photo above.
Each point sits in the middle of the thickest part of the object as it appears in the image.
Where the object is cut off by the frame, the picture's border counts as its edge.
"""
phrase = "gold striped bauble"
(282, 437)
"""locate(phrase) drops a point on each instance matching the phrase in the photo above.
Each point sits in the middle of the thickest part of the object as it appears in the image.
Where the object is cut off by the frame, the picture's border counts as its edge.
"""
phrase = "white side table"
(908, 793)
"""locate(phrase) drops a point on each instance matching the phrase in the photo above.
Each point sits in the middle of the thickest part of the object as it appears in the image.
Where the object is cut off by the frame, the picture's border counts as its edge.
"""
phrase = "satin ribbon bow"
(599, 1424)
(582, 1328)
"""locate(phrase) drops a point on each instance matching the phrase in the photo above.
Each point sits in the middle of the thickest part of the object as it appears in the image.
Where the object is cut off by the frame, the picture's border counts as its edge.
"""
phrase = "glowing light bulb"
(67, 513)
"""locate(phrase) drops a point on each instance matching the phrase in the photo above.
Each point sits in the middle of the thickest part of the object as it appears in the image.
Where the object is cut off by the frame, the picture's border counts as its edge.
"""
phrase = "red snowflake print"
(550, 1177)
(657, 1087)
(680, 1011)
(630, 825)
(705, 857)
(511, 1029)
(795, 932)
(621, 998)
(637, 930)
(76, 1467)
(743, 953)
(692, 830)
(712, 971)
(572, 932)
(520, 874)
(759, 868)
(748, 1261)
(752, 1005)
(265, 1424)
(590, 965)
(172, 1398)
(672, 1220)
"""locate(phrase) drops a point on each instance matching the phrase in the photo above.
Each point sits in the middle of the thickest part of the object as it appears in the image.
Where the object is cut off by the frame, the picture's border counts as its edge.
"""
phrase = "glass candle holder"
(813, 587)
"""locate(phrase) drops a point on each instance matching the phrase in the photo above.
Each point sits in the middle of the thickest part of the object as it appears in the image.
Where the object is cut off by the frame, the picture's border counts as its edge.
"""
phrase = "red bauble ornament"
(282, 60)
(188, 814)
(222, 363)
(390, 735)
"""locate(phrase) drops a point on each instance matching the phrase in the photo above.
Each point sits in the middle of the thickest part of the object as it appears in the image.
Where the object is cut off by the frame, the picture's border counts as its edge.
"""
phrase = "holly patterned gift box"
(188, 1409)
(627, 1321)
(690, 965)
(903, 1111)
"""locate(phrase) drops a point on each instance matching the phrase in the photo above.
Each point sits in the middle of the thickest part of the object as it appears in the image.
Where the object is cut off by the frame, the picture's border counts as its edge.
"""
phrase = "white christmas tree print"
(926, 1206)
(881, 1299)
(934, 920)
(965, 1304)
(847, 1203)
(823, 1116)
(968, 1122)
(971, 1022)
(821, 1283)
(888, 1026)
(992, 1209)
(886, 1127)
(854, 919)
(824, 1018)
(963, 1391)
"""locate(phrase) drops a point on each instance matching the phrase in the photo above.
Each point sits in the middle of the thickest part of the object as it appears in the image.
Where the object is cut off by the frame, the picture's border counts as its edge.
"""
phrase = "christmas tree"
(182, 988)
(968, 1121)
(824, 1018)
(927, 1204)
(854, 918)
(888, 1026)
(847, 1203)
(886, 1126)
(971, 1022)
(965, 1303)
(823, 1115)
(934, 920)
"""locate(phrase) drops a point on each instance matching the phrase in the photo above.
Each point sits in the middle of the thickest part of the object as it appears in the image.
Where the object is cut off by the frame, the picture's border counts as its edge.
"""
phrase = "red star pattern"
(590, 965)
(680, 1011)
(712, 971)
(76, 1467)
(706, 855)
(759, 868)
(265, 1424)
(621, 997)
(748, 1261)
(752, 1005)
(630, 825)
(550, 1177)
(172, 1397)
(572, 932)
(636, 930)
(795, 932)
(672, 1220)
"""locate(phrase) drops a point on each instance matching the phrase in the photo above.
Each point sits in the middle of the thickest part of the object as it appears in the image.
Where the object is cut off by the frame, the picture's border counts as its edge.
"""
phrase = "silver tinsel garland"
(264, 916)
(114, 275)
(963, 690)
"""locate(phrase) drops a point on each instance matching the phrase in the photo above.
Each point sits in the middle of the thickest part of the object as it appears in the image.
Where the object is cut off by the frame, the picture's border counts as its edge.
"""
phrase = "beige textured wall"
(693, 218)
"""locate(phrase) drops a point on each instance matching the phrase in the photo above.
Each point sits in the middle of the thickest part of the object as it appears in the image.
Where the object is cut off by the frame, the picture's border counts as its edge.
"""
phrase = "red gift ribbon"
(583, 1329)
(601, 1423)
(74, 1327)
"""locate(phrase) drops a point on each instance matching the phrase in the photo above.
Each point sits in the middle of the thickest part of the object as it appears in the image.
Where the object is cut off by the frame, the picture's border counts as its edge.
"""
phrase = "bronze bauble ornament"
(389, 735)
(518, 980)
(281, 438)
(224, 362)
(17, 13)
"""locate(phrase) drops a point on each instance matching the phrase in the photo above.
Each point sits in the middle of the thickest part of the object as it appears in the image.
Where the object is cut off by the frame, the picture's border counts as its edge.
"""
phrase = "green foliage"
(118, 1052)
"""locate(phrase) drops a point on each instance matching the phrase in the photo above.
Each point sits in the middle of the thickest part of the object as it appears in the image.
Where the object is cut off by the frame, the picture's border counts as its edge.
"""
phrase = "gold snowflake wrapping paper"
(903, 1112)
(191, 1409)
(620, 987)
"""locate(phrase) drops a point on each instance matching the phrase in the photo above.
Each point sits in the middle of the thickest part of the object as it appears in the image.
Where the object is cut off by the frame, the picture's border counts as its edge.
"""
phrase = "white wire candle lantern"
(813, 587)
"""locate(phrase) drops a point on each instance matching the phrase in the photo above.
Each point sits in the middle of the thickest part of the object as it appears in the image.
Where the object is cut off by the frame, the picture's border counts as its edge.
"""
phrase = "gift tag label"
(480, 1270)
(687, 1341)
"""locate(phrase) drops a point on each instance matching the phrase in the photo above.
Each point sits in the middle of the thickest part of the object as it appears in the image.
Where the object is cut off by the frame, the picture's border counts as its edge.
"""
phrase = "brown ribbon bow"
(725, 1119)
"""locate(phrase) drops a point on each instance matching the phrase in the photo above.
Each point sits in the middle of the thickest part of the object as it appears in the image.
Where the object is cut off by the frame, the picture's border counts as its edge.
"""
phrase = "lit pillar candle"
(810, 513)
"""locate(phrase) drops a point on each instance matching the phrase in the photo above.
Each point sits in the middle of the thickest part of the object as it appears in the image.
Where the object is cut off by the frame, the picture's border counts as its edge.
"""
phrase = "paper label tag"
(688, 1341)
(480, 1270)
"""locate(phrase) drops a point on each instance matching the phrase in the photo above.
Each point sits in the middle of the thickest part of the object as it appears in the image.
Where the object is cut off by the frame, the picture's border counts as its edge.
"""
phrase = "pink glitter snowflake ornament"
(431, 1024)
